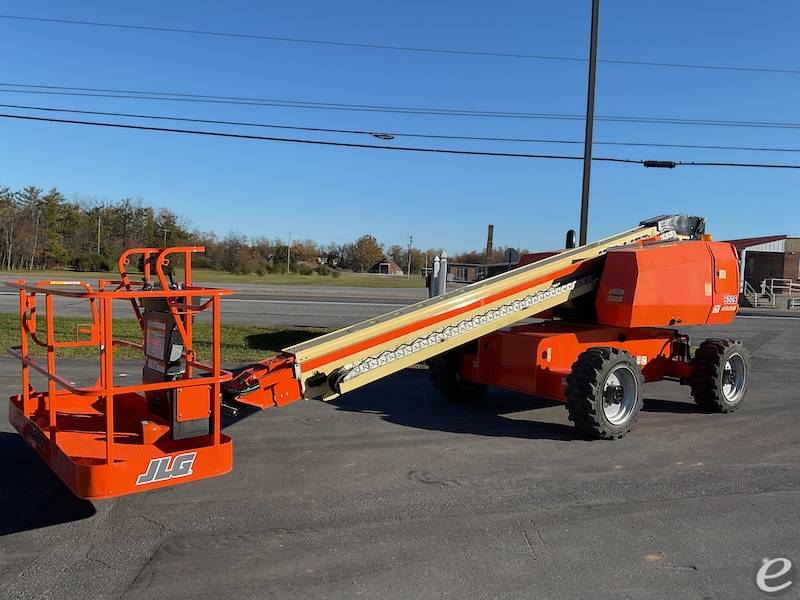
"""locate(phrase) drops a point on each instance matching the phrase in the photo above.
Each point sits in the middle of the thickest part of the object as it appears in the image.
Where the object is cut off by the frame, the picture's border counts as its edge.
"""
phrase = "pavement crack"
(528, 542)
(100, 561)
(160, 524)
(683, 567)
(540, 550)
(141, 570)
(425, 477)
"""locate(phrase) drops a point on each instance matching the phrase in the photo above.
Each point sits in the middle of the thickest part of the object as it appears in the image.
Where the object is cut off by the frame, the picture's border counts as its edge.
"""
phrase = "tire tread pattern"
(584, 397)
(706, 371)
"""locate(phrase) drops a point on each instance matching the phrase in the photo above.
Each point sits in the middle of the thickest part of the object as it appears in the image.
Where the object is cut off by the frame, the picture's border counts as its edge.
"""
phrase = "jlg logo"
(160, 469)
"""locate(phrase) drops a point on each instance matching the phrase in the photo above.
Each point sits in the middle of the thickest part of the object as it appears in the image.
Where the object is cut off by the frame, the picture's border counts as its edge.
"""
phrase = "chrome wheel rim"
(734, 378)
(620, 394)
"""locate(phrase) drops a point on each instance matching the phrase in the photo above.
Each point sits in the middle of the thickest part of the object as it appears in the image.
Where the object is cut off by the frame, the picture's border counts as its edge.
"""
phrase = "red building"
(768, 257)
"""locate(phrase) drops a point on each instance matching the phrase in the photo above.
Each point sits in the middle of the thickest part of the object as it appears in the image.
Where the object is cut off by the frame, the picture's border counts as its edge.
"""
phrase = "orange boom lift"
(607, 311)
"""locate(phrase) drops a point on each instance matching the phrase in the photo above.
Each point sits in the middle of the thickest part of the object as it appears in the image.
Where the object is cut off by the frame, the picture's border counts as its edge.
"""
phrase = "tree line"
(44, 230)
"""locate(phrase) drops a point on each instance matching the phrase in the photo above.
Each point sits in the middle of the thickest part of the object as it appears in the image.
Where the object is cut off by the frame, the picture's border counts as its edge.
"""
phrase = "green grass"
(239, 343)
(347, 279)
(87, 276)
(222, 277)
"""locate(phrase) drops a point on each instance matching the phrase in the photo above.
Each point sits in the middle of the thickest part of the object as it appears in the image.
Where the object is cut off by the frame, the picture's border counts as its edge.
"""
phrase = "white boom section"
(354, 356)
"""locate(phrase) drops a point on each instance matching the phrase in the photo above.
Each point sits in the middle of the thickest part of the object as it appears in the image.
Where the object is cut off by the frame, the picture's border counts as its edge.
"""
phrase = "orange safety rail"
(101, 439)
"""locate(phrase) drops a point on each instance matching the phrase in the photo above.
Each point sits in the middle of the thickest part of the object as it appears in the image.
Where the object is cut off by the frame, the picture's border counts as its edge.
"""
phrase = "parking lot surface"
(389, 492)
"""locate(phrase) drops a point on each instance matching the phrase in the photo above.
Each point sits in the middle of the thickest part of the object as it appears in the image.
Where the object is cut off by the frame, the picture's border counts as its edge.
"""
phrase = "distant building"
(463, 272)
(471, 272)
(768, 257)
(386, 267)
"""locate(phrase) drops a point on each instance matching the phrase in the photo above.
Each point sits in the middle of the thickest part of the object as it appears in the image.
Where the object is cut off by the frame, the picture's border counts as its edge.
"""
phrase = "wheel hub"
(614, 394)
(729, 377)
(620, 395)
(734, 378)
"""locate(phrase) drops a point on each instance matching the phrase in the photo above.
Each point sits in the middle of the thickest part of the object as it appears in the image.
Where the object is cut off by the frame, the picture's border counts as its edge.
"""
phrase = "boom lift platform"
(609, 311)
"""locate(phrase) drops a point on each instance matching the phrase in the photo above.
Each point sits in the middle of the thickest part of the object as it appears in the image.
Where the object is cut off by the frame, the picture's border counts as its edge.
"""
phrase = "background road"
(391, 493)
(274, 305)
(285, 305)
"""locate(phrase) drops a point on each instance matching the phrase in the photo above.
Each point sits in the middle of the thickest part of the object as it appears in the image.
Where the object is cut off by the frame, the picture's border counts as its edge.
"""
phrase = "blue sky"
(261, 188)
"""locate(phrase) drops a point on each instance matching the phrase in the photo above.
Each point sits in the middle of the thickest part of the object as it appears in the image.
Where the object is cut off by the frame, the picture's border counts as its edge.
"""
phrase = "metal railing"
(43, 409)
(782, 286)
(758, 298)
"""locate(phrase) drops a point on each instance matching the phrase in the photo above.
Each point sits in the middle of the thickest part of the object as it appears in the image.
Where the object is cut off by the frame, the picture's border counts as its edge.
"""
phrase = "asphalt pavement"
(389, 492)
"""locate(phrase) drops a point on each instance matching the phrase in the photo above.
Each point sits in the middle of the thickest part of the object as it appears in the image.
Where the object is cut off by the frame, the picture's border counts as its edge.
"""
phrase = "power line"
(395, 148)
(695, 163)
(363, 45)
(314, 105)
(393, 134)
(174, 97)
(375, 133)
(314, 142)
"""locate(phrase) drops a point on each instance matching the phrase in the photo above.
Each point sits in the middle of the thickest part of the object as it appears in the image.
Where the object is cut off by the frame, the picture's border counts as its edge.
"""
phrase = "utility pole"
(410, 240)
(288, 252)
(587, 148)
(489, 245)
(166, 231)
(99, 217)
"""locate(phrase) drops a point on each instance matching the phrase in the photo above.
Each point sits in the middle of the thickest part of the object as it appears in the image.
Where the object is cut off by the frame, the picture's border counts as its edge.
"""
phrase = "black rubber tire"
(585, 391)
(443, 371)
(707, 375)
